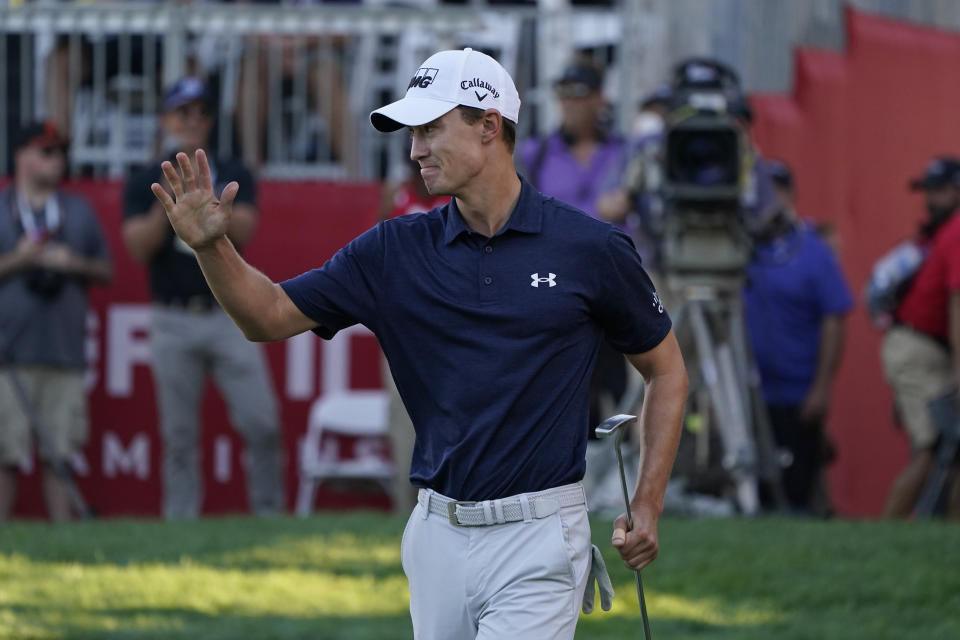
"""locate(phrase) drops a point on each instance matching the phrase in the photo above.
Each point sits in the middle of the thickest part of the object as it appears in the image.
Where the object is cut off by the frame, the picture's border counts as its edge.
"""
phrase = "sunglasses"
(188, 110)
(572, 90)
(48, 151)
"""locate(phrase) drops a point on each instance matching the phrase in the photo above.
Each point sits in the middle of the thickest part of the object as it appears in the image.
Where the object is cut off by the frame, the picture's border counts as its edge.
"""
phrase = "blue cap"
(780, 174)
(579, 78)
(942, 171)
(184, 91)
(662, 94)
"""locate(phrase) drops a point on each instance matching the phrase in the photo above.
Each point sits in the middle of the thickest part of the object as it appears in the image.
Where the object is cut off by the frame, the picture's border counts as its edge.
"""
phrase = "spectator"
(409, 196)
(921, 350)
(190, 335)
(51, 248)
(291, 101)
(641, 176)
(573, 164)
(652, 116)
(796, 300)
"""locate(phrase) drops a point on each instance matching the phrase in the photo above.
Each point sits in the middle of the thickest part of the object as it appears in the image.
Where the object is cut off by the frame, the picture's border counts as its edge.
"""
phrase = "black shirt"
(174, 272)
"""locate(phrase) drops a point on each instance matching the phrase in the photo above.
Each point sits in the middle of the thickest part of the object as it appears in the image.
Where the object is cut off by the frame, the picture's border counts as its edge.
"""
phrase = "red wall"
(858, 125)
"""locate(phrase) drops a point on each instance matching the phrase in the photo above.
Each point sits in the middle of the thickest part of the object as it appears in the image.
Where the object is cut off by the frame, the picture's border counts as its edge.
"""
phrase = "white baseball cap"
(446, 80)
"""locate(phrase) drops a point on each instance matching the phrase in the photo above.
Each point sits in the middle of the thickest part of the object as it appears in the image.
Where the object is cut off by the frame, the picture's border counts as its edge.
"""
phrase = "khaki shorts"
(919, 370)
(60, 402)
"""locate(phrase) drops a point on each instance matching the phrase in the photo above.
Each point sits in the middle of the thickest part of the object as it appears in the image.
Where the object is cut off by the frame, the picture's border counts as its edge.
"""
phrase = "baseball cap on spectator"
(740, 107)
(941, 171)
(579, 79)
(661, 95)
(184, 91)
(446, 80)
(39, 134)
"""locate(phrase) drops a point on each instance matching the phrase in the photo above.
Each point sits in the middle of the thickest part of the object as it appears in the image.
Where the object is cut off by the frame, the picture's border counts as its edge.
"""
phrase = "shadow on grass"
(145, 623)
(142, 623)
(358, 542)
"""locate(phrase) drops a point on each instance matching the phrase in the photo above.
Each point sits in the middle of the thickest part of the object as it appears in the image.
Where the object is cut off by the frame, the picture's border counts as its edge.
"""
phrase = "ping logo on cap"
(424, 78)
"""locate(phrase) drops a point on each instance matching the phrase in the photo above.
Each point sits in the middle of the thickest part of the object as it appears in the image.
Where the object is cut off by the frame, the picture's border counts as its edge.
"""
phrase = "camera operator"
(795, 302)
(698, 185)
(650, 161)
(51, 248)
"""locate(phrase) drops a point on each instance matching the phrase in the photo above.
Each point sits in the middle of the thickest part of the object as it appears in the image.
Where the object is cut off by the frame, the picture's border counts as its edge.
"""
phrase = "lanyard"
(34, 228)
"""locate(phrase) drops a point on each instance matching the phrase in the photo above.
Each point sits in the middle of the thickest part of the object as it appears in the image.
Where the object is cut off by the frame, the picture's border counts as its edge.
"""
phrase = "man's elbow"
(260, 331)
(257, 333)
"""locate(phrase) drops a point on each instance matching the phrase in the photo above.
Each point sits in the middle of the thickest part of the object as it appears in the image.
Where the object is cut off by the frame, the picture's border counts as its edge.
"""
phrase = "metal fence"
(293, 84)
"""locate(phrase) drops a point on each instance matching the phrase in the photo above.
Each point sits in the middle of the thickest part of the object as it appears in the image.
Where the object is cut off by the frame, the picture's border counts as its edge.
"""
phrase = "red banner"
(119, 470)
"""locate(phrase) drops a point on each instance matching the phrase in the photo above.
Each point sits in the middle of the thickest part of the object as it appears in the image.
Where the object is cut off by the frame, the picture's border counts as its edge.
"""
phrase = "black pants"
(805, 443)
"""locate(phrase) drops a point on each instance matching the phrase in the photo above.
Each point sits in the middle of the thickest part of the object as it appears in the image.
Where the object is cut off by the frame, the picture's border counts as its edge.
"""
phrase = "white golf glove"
(598, 572)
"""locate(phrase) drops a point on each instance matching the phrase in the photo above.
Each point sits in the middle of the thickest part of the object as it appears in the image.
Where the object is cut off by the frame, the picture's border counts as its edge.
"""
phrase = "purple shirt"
(549, 165)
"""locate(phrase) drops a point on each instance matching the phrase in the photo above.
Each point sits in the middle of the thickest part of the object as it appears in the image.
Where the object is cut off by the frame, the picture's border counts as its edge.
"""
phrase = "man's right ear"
(492, 123)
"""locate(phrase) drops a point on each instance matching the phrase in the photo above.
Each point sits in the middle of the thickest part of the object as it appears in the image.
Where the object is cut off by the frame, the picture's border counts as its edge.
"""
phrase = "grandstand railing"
(292, 84)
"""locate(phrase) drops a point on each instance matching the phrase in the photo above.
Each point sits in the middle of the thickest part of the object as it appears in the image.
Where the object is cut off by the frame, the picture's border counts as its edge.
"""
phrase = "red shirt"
(926, 305)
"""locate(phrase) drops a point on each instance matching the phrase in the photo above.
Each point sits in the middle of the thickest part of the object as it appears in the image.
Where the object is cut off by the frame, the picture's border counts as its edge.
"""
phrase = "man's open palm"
(196, 214)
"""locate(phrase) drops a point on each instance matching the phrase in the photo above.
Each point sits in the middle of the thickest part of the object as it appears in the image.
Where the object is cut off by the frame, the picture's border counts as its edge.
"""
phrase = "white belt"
(525, 506)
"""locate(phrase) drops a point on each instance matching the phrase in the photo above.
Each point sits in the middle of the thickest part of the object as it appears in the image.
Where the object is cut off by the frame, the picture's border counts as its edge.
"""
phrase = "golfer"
(490, 310)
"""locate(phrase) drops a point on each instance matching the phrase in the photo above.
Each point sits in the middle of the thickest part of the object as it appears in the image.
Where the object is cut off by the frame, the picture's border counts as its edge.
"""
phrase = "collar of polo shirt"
(526, 217)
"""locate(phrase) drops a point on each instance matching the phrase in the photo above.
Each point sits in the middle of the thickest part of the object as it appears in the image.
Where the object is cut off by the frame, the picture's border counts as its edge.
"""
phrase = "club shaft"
(636, 574)
(643, 605)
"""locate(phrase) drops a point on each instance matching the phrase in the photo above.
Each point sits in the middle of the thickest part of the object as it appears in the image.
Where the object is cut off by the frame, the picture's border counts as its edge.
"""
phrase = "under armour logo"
(551, 279)
(657, 303)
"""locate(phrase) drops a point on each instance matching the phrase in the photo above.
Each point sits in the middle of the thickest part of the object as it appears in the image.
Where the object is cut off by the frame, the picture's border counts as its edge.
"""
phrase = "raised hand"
(197, 216)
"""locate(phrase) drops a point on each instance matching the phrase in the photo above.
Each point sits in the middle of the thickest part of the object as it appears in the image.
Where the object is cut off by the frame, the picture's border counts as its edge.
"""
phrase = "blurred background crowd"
(652, 114)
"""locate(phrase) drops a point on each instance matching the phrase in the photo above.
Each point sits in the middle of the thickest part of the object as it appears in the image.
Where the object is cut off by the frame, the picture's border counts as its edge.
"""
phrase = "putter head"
(613, 424)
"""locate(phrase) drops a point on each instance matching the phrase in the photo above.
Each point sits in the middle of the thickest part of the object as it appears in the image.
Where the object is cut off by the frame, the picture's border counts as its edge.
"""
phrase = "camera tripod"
(713, 307)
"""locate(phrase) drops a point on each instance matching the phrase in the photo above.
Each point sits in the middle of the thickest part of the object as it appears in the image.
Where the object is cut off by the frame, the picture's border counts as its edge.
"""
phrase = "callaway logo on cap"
(448, 79)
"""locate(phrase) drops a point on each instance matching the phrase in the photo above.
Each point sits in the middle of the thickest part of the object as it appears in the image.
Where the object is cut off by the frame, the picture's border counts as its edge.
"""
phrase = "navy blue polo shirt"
(491, 341)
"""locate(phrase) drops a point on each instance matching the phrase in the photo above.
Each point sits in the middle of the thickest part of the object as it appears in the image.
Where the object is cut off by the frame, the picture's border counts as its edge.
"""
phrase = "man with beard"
(921, 350)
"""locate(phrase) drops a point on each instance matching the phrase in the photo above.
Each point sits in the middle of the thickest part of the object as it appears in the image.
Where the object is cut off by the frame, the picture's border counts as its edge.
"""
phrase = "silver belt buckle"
(452, 513)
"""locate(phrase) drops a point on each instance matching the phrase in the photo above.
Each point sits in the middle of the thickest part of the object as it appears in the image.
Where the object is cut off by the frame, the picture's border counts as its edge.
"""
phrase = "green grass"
(338, 577)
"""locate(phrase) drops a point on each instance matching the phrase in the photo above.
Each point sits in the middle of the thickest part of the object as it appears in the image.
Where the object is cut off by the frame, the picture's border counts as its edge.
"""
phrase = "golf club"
(607, 428)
